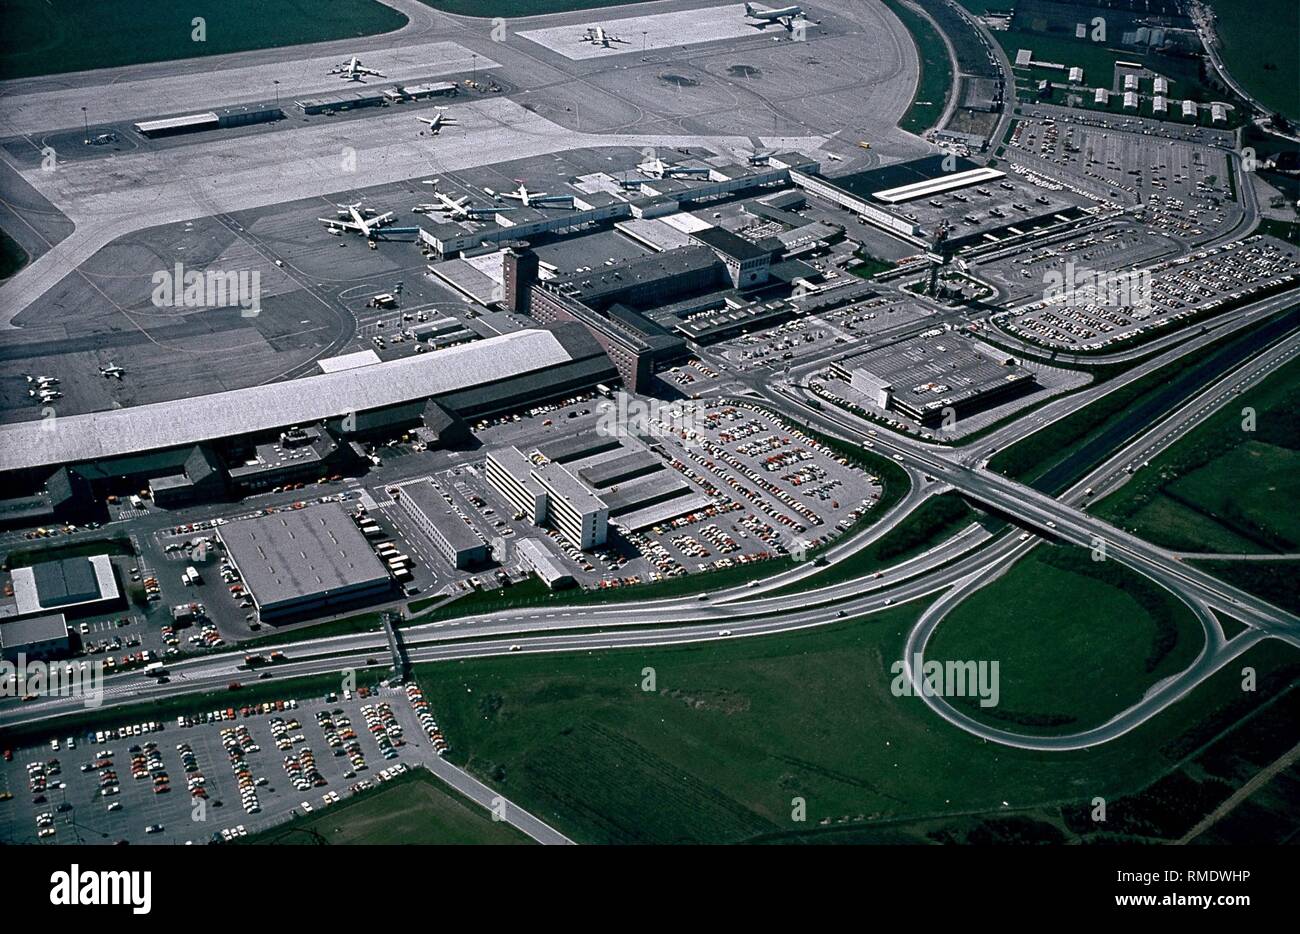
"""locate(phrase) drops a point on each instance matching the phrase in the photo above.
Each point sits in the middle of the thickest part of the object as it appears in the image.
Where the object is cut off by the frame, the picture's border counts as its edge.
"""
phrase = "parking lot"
(819, 335)
(1119, 244)
(1178, 175)
(1173, 292)
(214, 771)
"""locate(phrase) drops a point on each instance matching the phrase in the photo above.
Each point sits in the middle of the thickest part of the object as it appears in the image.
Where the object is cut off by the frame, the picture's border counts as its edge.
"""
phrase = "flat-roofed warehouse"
(82, 584)
(473, 379)
(299, 560)
(568, 448)
(923, 377)
(35, 638)
(454, 538)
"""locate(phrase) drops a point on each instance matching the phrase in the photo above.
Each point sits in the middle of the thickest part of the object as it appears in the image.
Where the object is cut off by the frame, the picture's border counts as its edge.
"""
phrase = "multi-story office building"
(547, 493)
(571, 509)
(511, 475)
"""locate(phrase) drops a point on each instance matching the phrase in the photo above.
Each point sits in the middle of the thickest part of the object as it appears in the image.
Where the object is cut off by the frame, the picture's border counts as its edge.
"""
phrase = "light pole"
(276, 82)
(85, 122)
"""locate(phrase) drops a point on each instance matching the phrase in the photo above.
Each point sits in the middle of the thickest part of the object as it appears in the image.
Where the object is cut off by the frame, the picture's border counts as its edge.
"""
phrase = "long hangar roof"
(160, 425)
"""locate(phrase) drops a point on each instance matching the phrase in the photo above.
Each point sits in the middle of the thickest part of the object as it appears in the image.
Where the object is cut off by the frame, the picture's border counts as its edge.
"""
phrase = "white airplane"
(45, 395)
(112, 370)
(461, 208)
(596, 35)
(345, 210)
(367, 227)
(531, 199)
(352, 70)
(437, 122)
(43, 380)
(657, 168)
(784, 16)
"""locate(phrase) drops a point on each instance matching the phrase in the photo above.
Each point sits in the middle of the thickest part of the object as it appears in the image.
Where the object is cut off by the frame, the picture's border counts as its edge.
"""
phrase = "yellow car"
(5, 796)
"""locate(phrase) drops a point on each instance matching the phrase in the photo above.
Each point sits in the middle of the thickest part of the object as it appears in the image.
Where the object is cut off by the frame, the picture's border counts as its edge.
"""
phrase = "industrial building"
(297, 455)
(221, 118)
(570, 448)
(454, 538)
(70, 585)
(35, 638)
(299, 561)
(534, 557)
(343, 100)
(430, 89)
(202, 447)
(922, 378)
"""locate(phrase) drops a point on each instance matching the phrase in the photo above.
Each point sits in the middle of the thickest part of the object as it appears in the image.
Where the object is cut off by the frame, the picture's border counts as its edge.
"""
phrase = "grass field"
(43, 37)
(869, 266)
(935, 81)
(413, 809)
(1068, 664)
(348, 625)
(1221, 488)
(1265, 61)
(736, 729)
(12, 256)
